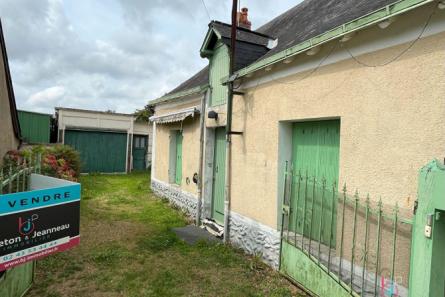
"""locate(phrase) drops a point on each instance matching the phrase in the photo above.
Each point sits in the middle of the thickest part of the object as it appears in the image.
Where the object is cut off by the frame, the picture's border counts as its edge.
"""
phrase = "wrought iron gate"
(356, 247)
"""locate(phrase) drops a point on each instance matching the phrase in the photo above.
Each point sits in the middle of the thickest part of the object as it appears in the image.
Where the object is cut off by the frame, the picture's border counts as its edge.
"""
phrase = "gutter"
(193, 91)
(361, 23)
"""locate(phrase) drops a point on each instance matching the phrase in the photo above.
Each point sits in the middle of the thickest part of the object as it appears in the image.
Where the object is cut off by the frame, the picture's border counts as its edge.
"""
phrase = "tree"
(145, 113)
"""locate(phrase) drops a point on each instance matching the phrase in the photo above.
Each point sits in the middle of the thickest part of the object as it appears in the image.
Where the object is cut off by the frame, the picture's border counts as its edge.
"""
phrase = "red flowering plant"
(59, 161)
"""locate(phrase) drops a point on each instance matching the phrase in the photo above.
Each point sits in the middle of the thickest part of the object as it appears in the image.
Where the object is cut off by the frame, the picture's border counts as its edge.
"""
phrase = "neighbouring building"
(13, 282)
(35, 127)
(108, 142)
(9, 122)
(325, 95)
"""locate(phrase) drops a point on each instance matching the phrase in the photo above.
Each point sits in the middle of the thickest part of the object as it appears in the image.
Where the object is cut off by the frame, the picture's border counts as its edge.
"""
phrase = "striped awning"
(177, 116)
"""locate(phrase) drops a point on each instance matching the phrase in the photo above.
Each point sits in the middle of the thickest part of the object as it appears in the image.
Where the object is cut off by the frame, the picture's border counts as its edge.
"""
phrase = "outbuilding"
(108, 142)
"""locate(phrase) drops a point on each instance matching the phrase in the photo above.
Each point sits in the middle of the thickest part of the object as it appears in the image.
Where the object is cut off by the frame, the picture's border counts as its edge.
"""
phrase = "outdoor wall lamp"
(212, 115)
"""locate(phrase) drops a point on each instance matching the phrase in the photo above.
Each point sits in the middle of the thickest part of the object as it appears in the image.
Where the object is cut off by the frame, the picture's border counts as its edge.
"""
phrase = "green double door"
(99, 151)
(219, 175)
(315, 155)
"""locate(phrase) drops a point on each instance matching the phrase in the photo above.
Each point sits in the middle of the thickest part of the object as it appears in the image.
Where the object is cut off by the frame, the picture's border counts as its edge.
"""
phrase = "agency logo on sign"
(26, 225)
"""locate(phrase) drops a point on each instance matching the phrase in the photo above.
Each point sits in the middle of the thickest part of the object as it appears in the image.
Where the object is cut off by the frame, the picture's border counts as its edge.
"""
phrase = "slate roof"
(250, 45)
(242, 34)
(199, 79)
(300, 23)
(12, 105)
(314, 17)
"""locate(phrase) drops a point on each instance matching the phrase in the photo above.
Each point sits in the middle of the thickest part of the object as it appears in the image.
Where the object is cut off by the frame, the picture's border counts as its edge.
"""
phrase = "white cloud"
(118, 55)
(46, 99)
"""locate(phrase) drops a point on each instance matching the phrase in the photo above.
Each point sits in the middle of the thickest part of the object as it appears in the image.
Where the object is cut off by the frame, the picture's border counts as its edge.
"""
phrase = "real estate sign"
(40, 222)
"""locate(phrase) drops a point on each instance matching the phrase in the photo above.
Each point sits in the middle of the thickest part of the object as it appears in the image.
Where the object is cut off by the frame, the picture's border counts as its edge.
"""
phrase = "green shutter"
(315, 154)
(99, 151)
(178, 171)
(219, 175)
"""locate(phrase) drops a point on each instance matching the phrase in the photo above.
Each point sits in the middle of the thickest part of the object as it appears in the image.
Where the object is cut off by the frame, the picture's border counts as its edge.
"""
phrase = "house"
(330, 93)
(108, 142)
(13, 282)
(9, 122)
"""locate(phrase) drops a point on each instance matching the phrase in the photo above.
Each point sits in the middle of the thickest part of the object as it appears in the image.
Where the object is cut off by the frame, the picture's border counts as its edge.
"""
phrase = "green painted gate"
(219, 174)
(310, 209)
(99, 151)
(315, 155)
(140, 143)
(15, 282)
(178, 171)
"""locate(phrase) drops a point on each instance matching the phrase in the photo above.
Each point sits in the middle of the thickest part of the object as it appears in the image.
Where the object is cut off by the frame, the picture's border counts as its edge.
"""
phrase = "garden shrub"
(59, 161)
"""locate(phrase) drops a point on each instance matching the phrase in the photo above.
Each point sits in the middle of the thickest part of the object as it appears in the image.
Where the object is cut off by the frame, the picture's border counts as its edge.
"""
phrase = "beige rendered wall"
(392, 123)
(8, 141)
(190, 147)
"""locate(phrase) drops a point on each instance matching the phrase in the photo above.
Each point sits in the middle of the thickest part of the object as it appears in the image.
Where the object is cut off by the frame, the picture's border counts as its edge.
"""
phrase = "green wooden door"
(219, 175)
(315, 155)
(140, 143)
(178, 171)
(99, 151)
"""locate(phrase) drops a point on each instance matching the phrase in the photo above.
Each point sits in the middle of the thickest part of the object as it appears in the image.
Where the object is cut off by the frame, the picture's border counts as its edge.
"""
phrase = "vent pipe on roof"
(242, 19)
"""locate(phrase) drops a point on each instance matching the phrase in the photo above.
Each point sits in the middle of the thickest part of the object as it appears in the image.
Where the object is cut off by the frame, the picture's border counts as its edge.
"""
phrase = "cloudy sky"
(110, 54)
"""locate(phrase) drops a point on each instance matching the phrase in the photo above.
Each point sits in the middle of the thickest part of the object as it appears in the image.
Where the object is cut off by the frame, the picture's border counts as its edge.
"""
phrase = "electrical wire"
(395, 58)
(207, 11)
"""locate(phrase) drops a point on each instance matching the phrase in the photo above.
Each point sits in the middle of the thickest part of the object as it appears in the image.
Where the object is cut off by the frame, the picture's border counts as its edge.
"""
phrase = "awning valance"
(177, 116)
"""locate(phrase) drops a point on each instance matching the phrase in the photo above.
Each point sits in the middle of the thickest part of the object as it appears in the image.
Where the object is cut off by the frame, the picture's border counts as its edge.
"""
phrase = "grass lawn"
(127, 249)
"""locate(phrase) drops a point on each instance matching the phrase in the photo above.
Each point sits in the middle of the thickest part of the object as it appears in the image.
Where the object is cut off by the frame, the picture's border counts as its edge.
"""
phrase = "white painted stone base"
(187, 202)
(255, 238)
(247, 234)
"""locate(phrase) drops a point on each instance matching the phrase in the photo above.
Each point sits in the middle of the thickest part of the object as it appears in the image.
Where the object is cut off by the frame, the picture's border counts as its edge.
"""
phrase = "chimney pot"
(243, 20)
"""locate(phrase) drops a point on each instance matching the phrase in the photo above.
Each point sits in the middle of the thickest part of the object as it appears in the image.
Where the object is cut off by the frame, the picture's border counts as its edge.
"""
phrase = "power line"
(398, 55)
(207, 11)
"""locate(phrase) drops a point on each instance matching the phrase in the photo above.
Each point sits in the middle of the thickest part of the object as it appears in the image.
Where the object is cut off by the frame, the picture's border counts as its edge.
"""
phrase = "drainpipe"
(229, 125)
(201, 157)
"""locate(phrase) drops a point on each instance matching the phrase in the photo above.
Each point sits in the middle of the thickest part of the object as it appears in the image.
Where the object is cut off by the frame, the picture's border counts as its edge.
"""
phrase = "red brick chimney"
(243, 19)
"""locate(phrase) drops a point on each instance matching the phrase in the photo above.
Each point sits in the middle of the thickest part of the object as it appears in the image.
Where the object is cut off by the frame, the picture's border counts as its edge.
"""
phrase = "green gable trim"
(363, 22)
(205, 51)
(178, 95)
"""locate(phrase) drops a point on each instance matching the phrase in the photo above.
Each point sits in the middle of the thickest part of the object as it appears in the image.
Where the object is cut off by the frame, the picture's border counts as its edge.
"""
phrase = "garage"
(108, 142)
(100, 151)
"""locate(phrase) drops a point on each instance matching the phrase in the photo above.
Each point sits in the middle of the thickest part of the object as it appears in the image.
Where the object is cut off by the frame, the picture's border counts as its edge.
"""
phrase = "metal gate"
(366, 253)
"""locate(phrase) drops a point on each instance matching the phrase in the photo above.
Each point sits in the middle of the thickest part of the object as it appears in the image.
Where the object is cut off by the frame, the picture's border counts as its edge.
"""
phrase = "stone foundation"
(187, 202)
(255, 238)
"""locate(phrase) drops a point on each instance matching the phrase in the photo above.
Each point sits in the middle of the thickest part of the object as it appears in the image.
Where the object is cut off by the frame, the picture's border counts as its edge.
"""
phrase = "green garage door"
(99, 151)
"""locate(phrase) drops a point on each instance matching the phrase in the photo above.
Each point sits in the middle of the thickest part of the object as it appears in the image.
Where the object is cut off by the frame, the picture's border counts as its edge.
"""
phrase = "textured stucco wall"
(391, 125)
(190, 152)
(8, 141)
